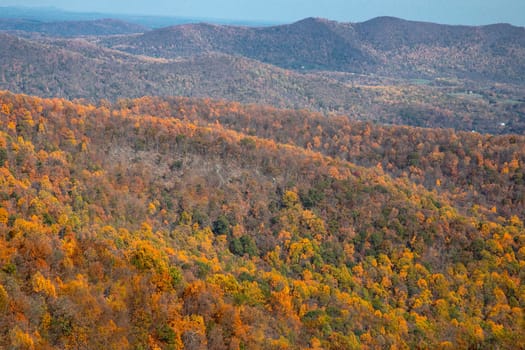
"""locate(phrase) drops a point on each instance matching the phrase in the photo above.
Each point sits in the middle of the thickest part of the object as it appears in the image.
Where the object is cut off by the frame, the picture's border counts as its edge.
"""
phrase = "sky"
(470, 12)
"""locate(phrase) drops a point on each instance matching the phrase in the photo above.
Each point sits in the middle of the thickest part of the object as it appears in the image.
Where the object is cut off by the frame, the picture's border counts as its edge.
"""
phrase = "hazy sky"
(442, 11)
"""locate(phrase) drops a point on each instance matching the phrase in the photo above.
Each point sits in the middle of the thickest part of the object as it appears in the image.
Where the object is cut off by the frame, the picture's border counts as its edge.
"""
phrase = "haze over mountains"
(72, 28)
(52, 14)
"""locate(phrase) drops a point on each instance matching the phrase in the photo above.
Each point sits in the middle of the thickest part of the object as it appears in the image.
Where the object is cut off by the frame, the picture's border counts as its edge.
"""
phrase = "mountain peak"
(313, 21)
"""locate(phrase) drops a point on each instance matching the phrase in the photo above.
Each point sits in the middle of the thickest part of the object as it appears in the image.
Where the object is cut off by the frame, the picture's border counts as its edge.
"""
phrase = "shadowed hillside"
(308, 44)
(383, 45)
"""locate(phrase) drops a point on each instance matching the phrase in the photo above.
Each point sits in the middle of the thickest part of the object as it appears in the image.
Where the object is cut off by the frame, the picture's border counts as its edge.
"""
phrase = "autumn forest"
(212, 222)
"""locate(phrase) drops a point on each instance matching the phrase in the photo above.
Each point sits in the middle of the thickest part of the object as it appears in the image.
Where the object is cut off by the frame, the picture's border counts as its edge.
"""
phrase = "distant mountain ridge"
(390, 32)
(300, 45)
(280, 45)
(72, 28)
(384, 45)
(52, 14)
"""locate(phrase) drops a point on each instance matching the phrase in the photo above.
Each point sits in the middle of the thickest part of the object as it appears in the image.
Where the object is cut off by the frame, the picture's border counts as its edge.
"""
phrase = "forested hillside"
(184, 223)
(384, 70)
(384, 46)
(468, 168)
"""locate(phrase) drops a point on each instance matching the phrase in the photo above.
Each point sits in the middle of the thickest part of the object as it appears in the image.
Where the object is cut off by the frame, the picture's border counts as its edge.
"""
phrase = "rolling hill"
(77, 68)
(308, 44)
(384, 45)
(120, 228)
(467, 168)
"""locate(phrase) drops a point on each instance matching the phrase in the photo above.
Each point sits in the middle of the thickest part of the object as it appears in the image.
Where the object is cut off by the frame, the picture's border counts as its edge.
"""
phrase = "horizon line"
(220, 20)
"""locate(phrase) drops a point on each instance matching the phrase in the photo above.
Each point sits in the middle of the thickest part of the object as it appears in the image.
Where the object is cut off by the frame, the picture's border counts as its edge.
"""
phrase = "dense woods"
(468, 168)
(192, 224)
